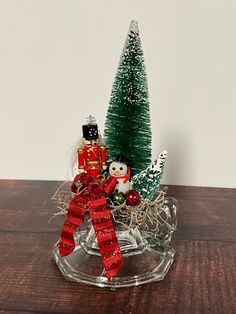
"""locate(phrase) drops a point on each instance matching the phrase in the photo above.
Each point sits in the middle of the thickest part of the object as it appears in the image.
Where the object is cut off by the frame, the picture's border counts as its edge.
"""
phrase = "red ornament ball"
(132, 198)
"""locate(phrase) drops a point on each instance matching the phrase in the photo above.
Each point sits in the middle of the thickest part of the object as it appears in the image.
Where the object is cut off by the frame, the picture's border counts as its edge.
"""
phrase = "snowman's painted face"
(117, 169)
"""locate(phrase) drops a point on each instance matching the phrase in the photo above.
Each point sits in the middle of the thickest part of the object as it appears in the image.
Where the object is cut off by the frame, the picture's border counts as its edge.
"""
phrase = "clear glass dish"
(147, 255)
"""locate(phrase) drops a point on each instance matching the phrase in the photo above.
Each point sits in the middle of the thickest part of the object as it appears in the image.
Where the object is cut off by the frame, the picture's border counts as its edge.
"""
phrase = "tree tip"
(164, 153)
(134, 27)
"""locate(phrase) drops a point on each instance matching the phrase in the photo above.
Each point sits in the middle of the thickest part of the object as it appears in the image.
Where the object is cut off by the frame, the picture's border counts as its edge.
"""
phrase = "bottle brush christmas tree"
(127, 125)
(147, 181)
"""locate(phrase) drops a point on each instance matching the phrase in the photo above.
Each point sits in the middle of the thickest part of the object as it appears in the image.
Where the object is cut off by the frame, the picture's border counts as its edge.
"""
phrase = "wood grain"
(202, 279)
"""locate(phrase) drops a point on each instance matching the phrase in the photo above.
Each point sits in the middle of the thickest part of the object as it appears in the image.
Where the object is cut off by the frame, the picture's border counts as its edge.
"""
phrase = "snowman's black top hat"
(121, 159)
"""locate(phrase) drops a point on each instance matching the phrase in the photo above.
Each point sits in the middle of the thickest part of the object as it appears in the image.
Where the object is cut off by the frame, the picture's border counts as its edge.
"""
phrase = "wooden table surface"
(201, 280)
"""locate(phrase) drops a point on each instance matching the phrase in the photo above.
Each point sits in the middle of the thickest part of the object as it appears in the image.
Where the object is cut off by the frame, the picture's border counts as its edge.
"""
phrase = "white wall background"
(58, 60)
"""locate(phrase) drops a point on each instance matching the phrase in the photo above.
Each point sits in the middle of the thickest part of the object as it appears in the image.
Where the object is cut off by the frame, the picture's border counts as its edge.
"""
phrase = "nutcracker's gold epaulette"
(102, 147)
(80, 150)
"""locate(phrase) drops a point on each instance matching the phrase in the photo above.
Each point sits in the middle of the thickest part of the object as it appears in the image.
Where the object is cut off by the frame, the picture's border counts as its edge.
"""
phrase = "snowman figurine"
(118, 169)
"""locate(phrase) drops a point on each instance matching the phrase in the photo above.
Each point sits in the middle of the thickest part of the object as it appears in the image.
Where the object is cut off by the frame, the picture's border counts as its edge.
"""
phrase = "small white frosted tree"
(147, 181)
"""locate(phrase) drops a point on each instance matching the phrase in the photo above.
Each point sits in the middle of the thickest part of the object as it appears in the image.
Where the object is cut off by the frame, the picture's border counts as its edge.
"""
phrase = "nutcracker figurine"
(91, 155)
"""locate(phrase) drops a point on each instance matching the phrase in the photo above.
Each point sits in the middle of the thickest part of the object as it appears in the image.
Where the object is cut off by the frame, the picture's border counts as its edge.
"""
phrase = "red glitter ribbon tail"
(106, 236)
(75, 217)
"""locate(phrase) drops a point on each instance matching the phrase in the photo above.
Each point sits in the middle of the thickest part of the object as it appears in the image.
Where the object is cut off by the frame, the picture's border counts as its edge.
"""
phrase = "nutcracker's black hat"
(90, 131)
